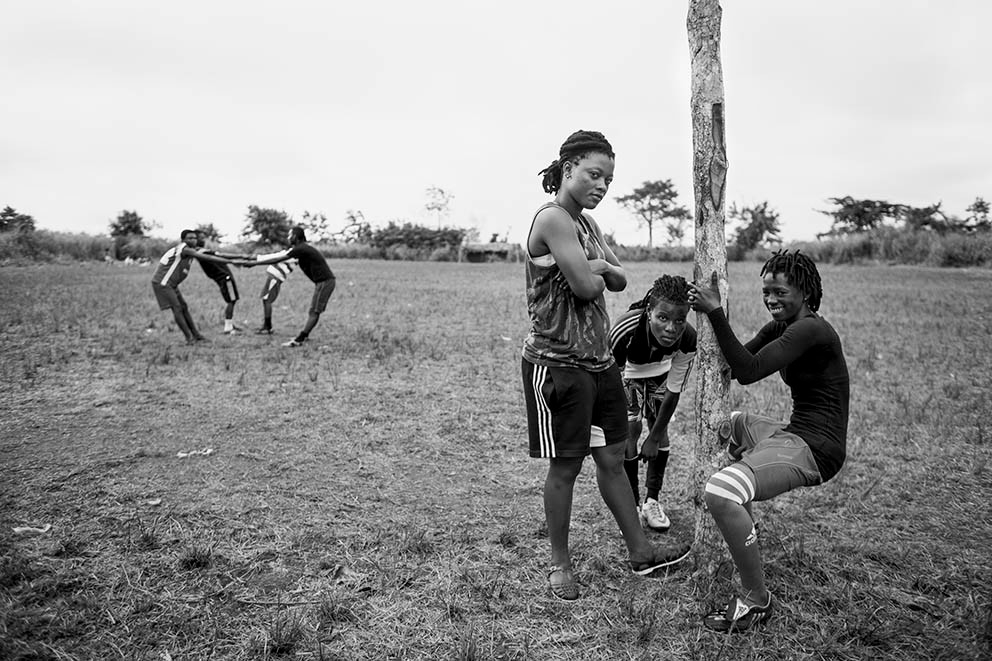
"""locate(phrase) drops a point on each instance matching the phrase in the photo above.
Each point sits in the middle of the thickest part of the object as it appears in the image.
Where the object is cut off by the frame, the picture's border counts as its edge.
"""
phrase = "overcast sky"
(189, 112)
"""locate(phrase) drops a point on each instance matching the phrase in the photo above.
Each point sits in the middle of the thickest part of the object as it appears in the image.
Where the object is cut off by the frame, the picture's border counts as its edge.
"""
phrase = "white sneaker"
(655, 517)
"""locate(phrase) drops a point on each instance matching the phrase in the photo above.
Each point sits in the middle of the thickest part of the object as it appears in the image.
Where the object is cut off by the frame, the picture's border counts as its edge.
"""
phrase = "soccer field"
(368, 495)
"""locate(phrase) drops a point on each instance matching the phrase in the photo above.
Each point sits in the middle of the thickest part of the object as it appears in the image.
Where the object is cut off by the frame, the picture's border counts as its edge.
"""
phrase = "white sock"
(228, 324)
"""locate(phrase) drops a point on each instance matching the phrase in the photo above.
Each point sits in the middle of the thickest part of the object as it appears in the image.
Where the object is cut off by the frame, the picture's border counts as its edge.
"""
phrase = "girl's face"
(667, 321)
(587, 181)
(785, 301)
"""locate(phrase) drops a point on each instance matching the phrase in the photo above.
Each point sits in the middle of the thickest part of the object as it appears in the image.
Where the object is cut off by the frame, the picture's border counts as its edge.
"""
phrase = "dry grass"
(369, 496)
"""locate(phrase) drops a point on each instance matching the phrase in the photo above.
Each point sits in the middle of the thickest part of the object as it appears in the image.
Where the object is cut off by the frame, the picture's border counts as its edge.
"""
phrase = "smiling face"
(785, 301)
(667, 321)
(587, 181)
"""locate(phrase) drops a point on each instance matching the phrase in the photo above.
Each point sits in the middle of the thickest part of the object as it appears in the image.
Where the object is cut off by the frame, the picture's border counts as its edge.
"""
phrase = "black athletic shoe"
(738, 616)
(263, 331)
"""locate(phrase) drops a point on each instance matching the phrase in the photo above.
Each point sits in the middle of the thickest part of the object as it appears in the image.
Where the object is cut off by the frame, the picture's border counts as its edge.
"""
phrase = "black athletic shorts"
(228, 289)
(571, 410)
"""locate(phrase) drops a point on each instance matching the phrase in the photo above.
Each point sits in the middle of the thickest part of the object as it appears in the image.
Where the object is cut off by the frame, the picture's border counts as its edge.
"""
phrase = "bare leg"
(614, 487)
(180, 317)
(267, 314)
(633, 435)
(558, 488)
(312, 320)
(630, 465)
(189, 322)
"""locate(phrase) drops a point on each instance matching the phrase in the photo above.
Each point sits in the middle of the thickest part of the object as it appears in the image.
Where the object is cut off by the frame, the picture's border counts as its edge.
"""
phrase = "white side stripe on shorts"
(545, 427)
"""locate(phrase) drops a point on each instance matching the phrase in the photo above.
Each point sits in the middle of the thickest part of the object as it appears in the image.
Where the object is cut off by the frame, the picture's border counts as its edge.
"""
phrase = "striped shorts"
(571, 410)
(771, 461)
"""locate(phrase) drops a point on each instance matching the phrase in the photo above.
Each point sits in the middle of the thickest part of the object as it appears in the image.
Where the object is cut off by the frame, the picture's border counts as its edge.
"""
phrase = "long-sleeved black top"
(807, 353)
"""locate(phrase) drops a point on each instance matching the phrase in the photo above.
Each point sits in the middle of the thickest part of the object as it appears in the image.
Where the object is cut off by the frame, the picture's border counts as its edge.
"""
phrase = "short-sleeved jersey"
(640, 356)
(173, 267)
(310, 260)
(565, 330)
(807, 354)
(213, 270)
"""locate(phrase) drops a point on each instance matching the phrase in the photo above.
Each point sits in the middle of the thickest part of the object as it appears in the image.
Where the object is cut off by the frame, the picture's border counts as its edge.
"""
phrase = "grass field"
(368, 495)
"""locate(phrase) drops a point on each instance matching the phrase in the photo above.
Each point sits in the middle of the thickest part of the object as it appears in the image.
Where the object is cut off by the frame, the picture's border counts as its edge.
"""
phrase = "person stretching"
(221, 274)
(774, 456)
(173, 267)
(314, 266)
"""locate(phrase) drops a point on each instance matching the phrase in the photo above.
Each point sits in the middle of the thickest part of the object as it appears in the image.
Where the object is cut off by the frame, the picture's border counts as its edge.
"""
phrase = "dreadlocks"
(573, 149)
(799, 271)
(671, 288)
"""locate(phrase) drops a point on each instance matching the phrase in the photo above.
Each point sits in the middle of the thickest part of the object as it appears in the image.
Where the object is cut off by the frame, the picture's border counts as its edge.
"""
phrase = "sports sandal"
(660, 558)
(567, 588)
(738, 617)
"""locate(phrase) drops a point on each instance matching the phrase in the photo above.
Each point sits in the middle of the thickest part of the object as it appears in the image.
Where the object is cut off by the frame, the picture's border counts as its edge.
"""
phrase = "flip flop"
(566, 588)
(660, 559)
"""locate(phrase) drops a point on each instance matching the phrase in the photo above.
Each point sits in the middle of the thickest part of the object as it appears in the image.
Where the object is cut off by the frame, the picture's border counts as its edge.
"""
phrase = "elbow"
(589, 292)
(617, 284)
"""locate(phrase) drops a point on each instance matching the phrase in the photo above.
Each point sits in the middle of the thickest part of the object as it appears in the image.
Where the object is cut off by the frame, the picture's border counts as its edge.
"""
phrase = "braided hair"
(799, 271)
(671, 288)
(578, 145)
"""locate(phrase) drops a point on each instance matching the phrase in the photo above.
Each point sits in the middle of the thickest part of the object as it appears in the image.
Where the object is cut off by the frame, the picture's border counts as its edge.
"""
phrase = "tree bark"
(709, 167)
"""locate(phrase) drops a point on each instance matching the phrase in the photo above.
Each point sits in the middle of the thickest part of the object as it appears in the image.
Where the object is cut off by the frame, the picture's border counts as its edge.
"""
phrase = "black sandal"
(568, 589)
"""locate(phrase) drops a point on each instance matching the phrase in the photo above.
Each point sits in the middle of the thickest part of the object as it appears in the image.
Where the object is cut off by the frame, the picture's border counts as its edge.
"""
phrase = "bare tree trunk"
(709, 166)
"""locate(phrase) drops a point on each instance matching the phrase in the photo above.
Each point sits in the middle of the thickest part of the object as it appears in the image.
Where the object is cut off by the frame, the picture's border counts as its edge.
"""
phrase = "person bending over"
(222, 276)
(314, 266)
(654, 345)
(173, 267)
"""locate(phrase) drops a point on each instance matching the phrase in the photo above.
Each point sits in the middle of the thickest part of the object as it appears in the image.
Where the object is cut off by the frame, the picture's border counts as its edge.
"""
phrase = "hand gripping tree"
(709, 168)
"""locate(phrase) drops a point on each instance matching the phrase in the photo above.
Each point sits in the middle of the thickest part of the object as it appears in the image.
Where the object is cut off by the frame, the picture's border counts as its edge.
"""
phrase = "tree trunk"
(709, 167)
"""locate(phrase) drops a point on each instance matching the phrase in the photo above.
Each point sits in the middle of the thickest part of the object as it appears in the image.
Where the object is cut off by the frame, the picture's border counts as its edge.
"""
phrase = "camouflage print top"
(565, 330)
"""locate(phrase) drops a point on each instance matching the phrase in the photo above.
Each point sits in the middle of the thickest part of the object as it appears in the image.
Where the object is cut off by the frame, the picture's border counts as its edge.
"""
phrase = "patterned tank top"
(565, 330)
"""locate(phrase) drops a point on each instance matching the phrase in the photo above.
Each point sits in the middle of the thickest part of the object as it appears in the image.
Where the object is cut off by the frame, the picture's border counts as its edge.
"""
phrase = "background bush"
(882, 245)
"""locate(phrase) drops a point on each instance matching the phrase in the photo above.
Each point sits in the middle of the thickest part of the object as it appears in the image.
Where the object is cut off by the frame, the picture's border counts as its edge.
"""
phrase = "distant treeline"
(889, 245)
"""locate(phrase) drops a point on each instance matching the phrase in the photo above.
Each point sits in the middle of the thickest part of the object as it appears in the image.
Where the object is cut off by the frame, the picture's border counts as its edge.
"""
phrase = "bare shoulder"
(551, 216)
(549, 222)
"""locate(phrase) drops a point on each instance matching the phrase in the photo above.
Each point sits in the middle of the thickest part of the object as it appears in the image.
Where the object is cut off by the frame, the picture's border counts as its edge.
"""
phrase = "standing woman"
(575, 400)
(775, 456)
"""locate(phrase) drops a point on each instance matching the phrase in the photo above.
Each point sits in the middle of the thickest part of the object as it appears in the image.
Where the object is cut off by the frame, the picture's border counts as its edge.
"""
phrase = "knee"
(609, 458)
(564, 470)
(718, 506)
(729, 488)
